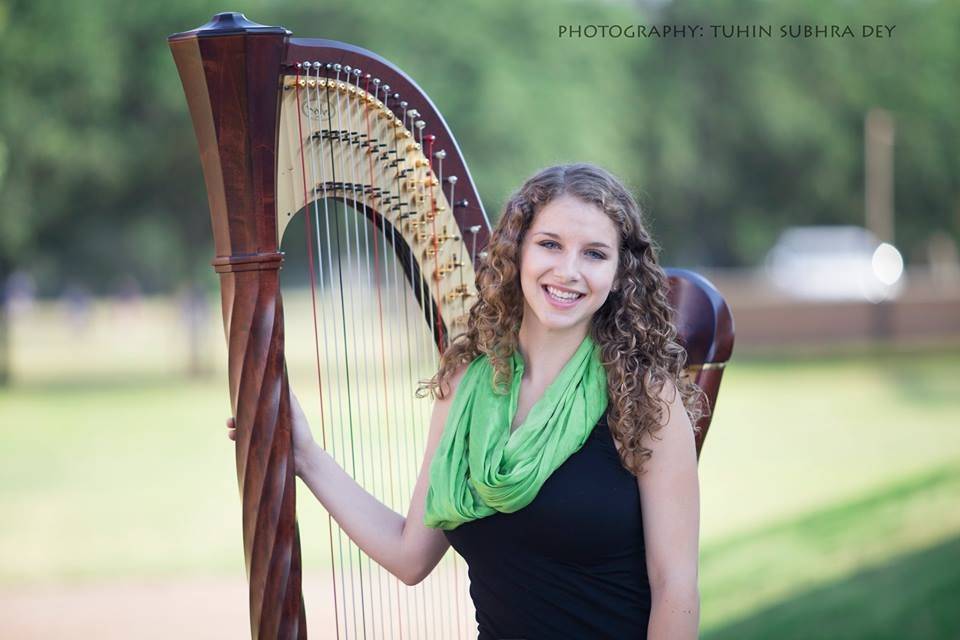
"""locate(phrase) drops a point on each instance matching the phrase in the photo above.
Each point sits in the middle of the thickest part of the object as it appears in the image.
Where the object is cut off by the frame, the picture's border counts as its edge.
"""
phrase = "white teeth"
(562, 295)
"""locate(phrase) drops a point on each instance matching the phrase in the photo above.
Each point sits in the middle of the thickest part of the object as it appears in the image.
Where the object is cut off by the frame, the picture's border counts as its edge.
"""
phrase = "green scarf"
(480, 467)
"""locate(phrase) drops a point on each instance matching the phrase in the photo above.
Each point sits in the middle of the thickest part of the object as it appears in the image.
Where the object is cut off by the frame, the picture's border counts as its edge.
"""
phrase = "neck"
(544, 351)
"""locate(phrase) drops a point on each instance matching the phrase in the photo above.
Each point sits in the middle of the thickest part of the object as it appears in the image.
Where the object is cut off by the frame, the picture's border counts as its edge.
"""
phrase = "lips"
(560, 297)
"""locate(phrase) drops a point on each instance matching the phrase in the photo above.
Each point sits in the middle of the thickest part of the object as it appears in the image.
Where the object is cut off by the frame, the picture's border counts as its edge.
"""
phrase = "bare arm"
(670, 499)
(404, 546)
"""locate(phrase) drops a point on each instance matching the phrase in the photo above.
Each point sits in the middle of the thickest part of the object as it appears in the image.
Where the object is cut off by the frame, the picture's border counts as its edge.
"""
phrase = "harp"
(290, 126)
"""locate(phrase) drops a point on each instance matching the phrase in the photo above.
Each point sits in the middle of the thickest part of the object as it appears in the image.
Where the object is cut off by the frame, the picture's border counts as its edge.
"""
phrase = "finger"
(231, 422)
(232, 434)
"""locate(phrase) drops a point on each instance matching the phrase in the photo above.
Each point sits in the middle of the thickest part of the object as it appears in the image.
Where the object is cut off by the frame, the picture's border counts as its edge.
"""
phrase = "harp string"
(398, 408)
(352, 400)
(450, 603)
(403, 410)
(436, 590)
(373, 283)
(374, 419)
(333, 353)
(348, 181)
(315, 111)
(388, 416)
(316, 339)
(457, 606)
(411, 339)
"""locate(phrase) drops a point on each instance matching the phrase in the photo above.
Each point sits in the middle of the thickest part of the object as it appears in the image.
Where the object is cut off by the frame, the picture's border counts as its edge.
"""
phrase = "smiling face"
(568, 264)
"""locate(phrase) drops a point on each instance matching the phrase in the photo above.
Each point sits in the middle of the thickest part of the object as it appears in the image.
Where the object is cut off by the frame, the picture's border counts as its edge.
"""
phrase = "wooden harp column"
(223, 66)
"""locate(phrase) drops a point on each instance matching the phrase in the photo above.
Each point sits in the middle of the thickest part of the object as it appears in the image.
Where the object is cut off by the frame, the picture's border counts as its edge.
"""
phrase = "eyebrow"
(589, 244)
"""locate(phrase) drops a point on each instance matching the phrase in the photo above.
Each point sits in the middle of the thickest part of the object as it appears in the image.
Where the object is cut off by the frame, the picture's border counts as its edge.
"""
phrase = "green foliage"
(727, 141)
(747, 136)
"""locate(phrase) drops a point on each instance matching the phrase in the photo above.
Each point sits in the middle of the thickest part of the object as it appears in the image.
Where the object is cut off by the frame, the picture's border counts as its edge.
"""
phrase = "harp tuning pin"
(413, 113)
(461, 204)
(395, 96)
(420, 124)
(376, 82)
(357, 72)
(440, 155)
(452, 179)
(429, 138)
(403, 105)
(347, 69)
(337, 67)
(475, 229)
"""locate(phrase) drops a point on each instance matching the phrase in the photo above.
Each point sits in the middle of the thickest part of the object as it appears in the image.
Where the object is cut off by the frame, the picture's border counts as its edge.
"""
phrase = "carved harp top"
(259, 98)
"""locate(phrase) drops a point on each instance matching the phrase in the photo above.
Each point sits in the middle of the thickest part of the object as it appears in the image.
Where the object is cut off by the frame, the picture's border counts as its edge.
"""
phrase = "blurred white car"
(835, 263)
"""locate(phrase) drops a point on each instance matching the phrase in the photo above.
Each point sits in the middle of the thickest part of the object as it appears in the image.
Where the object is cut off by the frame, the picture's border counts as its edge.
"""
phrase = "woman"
(560, 461)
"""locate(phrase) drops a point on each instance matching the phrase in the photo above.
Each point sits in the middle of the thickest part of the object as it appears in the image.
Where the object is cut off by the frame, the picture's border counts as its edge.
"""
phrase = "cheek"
(602, 279)
(531, 265)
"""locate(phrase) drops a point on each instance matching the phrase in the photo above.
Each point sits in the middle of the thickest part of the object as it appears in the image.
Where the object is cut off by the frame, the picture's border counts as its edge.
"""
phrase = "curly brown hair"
(634, 328)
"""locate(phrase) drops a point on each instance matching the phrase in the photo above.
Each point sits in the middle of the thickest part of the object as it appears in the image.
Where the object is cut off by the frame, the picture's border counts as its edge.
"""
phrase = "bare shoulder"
(673, 444)
(672, 413)
(672, 418)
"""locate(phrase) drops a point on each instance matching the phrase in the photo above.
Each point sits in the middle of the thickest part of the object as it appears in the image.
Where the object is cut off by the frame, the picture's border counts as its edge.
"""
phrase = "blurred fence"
(174, 335)
(766, 319)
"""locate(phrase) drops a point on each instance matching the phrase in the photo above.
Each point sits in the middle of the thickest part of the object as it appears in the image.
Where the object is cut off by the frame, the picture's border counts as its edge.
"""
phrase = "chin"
(553, 321)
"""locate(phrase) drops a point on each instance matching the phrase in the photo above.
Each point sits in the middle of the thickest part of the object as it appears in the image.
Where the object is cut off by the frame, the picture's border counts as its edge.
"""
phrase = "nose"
(567, 267)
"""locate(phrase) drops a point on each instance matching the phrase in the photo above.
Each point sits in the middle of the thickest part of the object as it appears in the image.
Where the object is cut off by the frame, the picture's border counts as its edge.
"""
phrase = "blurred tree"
(742, 137)
(727, 141)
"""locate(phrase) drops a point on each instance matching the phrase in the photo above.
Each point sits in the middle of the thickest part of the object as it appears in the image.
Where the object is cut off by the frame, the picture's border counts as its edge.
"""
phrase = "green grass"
(829, 485)
(913, 596)
(791, 436)
(792, 575)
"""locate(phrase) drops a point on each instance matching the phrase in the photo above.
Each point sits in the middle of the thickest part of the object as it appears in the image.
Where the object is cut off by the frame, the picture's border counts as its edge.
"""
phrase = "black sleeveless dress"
(568, 565)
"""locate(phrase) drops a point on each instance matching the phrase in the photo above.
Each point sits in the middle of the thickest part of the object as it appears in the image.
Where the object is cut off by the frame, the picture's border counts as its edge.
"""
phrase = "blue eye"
(596, 255)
